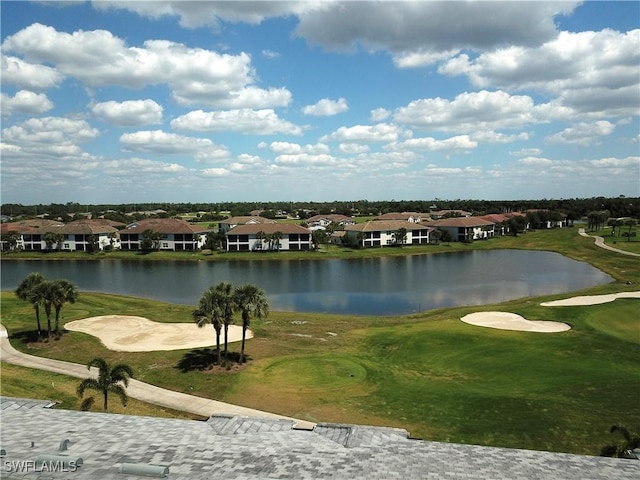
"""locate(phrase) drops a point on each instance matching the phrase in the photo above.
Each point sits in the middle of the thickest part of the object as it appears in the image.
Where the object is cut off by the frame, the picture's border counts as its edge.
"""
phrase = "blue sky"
(119, 102)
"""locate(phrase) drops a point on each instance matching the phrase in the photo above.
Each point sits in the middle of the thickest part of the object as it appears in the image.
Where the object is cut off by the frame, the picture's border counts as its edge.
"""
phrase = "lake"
(363, 286)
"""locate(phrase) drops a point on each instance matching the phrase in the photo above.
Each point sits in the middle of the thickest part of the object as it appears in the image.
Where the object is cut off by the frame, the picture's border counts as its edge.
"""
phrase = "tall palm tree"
(276, 237)
(225, 300)
(43, 294)
(110, 380)
(252, 302)
(64, 292)
(25, 292)
(208, 312)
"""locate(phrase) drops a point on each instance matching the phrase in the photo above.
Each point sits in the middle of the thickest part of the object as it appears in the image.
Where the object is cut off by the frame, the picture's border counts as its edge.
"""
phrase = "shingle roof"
(164, 225)
(249, 229)
(380, 225)
(241, 448)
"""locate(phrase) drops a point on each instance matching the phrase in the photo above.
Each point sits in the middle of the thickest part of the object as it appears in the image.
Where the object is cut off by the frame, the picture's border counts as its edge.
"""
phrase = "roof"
(89, 227)
(461, 222)
(242, 448)
(442, 213)
(495, 217)
(242, 220)
(285, 228)
(164, 225)
(332, 217)
(380, 225)
(31, 226)
(401, 216)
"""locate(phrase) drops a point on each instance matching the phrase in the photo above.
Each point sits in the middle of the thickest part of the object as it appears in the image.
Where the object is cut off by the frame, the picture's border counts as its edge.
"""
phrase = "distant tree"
(26, 291)
(261, 237)
(150, 240)
(400, 236)
(631, 222)
(53, 238)
(517, 224)
(252, 302)
(436, 235)
(92, 243)
(11, 239)
(624, 448)
(110, 380)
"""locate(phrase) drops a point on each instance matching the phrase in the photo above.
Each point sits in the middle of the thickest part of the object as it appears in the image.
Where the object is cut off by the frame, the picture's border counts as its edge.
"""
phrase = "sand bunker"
(513, 321)
(138, 334)
(590, 299)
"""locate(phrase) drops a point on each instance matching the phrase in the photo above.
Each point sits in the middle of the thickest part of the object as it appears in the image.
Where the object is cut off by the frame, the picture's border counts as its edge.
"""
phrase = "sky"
(178, 101)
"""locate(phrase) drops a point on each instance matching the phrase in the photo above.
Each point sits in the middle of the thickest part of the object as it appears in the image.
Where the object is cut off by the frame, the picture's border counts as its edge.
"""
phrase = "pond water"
(365, 286)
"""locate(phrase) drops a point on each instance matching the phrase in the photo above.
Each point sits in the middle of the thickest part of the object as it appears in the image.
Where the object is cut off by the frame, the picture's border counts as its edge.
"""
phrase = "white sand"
(513, 321)
(590, 299)
(138, 334)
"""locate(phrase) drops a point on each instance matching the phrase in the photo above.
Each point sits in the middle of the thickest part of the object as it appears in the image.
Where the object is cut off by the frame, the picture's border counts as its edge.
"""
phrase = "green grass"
(437, 377)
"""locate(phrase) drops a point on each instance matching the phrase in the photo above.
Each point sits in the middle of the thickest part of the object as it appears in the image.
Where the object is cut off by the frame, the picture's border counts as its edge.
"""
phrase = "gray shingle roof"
(249, 448)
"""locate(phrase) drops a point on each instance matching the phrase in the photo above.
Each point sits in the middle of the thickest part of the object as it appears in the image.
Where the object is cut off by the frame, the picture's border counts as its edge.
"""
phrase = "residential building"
(464, 229)
(413, 217)
(326, 220)
(175, 234)
(29, 233)
(229, 223)
(449, 213)
(87, 235)
(381, 233)
(262, 237)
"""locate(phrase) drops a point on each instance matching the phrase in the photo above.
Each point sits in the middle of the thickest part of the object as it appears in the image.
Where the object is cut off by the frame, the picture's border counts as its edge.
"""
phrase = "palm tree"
(25, 292)
(208, 312)
(276, 237)
(43, 294)
(400, 236)
(622, 449)
(110, 380)
(252, 302)
(225, 300)
(261, 236)
(63, 291)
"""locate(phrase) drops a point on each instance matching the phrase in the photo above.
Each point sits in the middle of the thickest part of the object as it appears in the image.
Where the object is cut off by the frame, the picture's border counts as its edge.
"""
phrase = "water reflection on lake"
(377, 286)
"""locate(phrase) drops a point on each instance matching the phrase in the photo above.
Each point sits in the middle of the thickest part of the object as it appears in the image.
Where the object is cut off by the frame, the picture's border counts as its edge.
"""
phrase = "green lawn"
(439, 378)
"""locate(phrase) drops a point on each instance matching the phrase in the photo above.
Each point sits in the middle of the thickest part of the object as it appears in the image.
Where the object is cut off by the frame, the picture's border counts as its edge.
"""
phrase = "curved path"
(137, 389)
(600, 243)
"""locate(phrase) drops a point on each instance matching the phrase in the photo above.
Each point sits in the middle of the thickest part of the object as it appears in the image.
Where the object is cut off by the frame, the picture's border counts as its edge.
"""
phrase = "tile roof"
(163, 225)
(242, 448)
(88, 227)
(31, 226)
(285, 228)
(380, 225)
(460, 222)
(246, 219)
(402, 216)
(333, 217)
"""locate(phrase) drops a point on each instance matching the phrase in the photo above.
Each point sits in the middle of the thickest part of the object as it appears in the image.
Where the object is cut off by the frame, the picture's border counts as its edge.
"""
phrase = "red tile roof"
(164, 225)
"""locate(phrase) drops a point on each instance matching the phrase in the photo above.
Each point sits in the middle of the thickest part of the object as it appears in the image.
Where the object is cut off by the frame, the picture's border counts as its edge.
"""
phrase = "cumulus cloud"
(136, 166)
(526, 152)
(28, 75)
(353, 148)
(469, 111)
(588, 71)
(49, 133)
(257, 122)
(326, 107)
(195, 75)
(24, 101)
(157, 141)
(497, 137)
(129, 113)
(460, 142)
(544, 162)
(379, 115)
(381, 132)
(417, 33)
(294, 148)
(583, 133)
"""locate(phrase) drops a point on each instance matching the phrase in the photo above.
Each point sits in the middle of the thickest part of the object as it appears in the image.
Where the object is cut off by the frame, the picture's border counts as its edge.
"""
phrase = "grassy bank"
(437, 377)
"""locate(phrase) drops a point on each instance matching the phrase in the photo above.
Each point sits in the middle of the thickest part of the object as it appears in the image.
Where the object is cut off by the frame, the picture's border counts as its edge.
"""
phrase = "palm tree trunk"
(57, 318)
(37, 307)
(105, 393)
(218, 346)
(226, 341)
(244, 330)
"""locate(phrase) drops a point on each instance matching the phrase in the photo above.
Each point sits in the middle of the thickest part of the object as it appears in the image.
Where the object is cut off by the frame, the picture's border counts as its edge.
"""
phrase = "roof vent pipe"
(145, 469)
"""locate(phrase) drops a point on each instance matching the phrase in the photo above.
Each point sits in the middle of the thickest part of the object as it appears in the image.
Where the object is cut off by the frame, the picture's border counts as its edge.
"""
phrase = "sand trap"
(513, 321)
(590, 299)
(138, 334)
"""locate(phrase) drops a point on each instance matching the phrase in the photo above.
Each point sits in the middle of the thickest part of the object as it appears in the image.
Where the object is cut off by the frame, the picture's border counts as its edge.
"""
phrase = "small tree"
(110, 380)
(63, 292)
(26, 291)
(400, 236)
(252, 302)
(622, 449)
(150, 240)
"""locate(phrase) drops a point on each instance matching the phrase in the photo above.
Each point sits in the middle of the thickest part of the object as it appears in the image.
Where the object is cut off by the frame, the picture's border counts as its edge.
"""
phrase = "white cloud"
(353, 148)
(326, 107)
(379, 115)
(460, 142)
(306, 159)
(294, 148)
(157, 141)
(270, 54)
(587, 71)
(537, 161)
(257, 122)
(194, 75)
(49, 133)
(135, 166)
(489, 136)
(381, 132)
(28, 75)
(526, 152)
(215, 172)
(469, 111)
(617, 162)
(129, 113)
(583, 133)
(24, 101)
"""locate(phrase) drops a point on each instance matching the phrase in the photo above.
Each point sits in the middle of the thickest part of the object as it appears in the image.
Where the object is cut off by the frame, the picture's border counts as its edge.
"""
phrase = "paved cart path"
(137, 389)
(600, 243)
